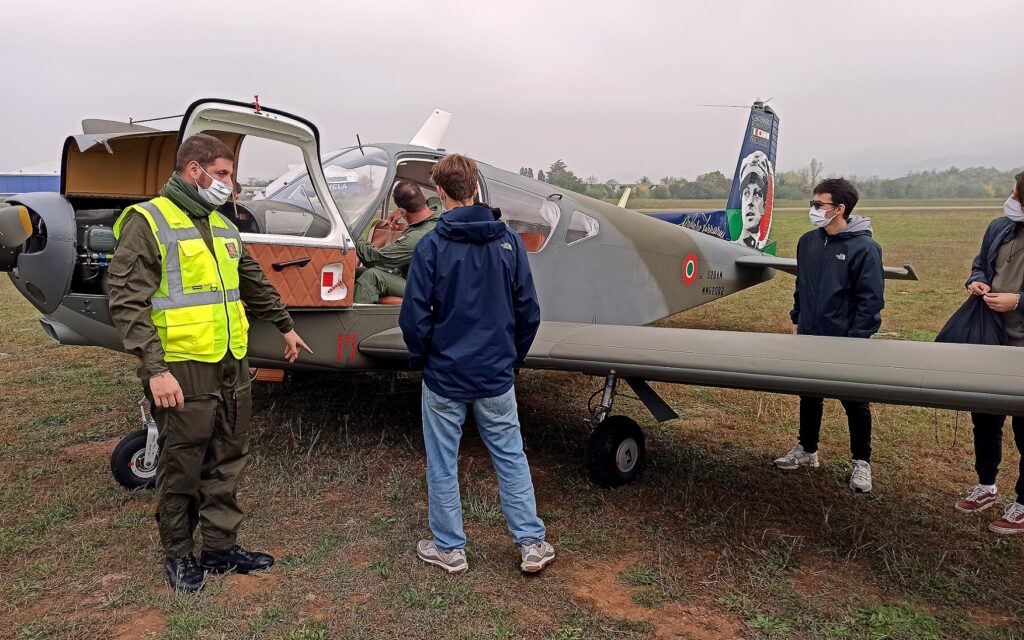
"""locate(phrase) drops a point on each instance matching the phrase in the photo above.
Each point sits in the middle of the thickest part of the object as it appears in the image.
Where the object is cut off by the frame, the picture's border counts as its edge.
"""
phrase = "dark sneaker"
(536, 556)
(453, 561)
(1012, 521)
(235, 559)
(978, 499)
(185, 574)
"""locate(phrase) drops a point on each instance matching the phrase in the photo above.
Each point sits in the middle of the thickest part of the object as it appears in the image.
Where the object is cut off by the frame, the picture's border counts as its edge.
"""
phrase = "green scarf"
(186, 197)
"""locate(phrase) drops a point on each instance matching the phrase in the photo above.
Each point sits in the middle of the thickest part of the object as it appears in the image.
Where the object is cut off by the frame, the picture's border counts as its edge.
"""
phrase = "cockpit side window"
(581, 227)
(529, 215)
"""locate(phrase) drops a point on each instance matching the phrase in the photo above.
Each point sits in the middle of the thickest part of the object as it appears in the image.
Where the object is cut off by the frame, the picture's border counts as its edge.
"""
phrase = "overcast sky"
(611, 88)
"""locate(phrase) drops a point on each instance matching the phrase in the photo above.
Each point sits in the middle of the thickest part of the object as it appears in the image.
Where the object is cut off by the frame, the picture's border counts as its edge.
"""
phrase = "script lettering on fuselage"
(703, 223)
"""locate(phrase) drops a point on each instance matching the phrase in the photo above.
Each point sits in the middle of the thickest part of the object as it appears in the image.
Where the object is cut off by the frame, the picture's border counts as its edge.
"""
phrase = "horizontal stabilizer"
(929, 374)
(906, 272)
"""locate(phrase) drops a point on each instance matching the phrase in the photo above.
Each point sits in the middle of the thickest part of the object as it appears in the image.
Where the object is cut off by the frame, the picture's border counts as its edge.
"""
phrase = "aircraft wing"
(948, 376)
(906, 272)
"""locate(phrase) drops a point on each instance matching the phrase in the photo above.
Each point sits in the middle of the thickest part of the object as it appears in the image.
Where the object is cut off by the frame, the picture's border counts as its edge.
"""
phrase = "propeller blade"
(15, 226)
(728, 106)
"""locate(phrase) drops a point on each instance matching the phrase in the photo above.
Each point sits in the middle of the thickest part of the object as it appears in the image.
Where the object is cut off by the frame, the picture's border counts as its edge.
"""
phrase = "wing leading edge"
(947, 376)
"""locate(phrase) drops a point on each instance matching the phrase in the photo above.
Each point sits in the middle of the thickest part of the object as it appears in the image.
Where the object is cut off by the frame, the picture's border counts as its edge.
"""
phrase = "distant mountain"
(894, 162)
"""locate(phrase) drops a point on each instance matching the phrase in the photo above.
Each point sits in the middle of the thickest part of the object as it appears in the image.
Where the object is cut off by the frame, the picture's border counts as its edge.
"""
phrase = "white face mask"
(1012, 210)
(217, 193)
(818, 218)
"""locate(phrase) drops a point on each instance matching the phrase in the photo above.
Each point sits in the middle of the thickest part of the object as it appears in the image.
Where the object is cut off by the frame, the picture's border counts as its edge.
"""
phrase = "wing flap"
(948, 376)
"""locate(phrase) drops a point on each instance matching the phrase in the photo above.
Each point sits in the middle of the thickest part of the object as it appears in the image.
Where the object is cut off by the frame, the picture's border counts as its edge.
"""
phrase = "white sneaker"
(797, 458)
(452, 561)
(536, 556)
(860, 476)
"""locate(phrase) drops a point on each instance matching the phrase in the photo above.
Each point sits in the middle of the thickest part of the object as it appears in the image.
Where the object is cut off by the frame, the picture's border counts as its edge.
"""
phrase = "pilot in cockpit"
(384, 269)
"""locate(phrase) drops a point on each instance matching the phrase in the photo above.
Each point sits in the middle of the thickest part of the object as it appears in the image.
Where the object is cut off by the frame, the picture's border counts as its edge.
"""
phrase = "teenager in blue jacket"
(839, 286)
(469, 315)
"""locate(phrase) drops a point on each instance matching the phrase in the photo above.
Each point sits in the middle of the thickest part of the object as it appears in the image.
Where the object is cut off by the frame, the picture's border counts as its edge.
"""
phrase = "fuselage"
(593, 262)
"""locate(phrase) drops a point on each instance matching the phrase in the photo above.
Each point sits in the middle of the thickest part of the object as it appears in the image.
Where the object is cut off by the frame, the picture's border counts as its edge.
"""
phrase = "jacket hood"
(857, 226)
(475, 224)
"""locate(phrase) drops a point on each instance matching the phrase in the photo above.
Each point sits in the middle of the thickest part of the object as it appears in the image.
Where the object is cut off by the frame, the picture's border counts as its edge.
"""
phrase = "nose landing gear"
(133, 462)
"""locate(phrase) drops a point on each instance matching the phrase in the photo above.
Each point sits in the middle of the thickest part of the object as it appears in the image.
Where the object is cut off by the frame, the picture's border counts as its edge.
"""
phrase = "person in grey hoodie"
(839, 292)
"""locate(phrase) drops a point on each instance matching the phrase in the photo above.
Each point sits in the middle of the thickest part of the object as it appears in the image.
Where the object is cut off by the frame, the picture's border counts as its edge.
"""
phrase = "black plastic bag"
(974, 323)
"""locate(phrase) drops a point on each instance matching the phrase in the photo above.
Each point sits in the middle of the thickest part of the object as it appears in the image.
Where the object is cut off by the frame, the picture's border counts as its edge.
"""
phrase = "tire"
(126, 462)
(616, 452)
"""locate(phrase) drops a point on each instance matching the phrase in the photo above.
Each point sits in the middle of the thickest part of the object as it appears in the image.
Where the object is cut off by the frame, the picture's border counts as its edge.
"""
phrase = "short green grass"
(711, 542)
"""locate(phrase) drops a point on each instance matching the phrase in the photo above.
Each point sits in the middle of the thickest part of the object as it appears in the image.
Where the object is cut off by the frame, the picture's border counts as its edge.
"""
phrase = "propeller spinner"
(15, 226)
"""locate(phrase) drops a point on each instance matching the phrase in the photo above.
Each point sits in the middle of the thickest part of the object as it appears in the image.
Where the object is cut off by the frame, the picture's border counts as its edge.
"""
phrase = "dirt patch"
(148, 624)
(316, 606)
(88, 451)
(253, 584)
(600, 586)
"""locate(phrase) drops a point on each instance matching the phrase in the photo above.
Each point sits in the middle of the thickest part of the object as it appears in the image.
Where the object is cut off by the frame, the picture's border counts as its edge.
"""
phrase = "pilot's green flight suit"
(203, 446)
(386, 268)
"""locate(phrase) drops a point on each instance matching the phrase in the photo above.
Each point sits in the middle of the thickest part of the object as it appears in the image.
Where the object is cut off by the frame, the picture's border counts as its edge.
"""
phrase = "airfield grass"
(711, 542)
(699, 204)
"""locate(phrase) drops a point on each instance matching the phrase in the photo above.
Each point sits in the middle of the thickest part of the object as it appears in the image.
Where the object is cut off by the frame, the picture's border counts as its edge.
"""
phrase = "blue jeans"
(497, 419)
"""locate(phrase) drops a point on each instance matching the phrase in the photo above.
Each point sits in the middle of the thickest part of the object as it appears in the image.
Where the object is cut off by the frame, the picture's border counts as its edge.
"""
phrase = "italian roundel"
(690, 269)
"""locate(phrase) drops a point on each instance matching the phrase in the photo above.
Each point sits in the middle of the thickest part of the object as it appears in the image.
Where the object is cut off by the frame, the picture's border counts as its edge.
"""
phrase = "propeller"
(15, 226)
(758, 102)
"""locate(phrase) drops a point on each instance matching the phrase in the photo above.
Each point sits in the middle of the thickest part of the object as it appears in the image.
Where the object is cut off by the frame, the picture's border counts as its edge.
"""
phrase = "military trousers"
(203, 448)
(375, 283)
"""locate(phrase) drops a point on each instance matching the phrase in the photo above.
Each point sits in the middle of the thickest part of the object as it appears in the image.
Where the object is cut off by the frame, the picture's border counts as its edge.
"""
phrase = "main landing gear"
(616, 451)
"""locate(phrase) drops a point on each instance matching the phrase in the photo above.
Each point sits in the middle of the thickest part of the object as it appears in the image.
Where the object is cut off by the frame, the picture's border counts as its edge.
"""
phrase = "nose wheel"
(616, 451)
(133, 462)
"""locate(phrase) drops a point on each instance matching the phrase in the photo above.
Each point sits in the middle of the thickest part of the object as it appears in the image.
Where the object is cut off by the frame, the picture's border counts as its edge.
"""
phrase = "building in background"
(40, 177)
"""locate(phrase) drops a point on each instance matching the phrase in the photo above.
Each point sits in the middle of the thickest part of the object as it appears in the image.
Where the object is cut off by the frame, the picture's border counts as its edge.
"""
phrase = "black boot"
(235, 559)
(185, 574)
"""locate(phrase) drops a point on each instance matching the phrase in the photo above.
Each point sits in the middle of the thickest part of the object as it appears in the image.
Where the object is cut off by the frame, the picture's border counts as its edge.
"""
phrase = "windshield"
(355, 178)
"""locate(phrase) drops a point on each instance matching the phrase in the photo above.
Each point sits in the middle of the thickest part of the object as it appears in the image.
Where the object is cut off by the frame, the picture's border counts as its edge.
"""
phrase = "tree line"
(973, 182)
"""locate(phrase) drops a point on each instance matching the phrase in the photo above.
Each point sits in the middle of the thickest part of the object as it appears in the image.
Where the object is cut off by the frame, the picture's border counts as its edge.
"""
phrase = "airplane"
(602, 273)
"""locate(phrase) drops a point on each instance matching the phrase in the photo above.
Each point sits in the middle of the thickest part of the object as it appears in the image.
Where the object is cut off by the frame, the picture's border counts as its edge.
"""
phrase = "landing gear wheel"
(616, 453)
(128, 462)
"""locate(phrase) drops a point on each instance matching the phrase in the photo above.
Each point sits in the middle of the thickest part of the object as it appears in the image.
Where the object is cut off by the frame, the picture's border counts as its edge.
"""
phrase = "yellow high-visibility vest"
(197, 310)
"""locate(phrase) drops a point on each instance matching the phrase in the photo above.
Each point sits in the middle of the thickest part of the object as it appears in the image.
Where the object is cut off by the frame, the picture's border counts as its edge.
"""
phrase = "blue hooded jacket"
(839, 282)
(470, 309)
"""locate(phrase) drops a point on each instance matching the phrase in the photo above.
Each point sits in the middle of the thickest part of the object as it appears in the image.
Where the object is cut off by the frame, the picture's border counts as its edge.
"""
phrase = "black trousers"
(988, 448)
(858, 415)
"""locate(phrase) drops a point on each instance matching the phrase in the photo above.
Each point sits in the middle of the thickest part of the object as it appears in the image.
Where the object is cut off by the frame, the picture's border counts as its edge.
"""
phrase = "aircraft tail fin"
(433, 130)
(749, 208)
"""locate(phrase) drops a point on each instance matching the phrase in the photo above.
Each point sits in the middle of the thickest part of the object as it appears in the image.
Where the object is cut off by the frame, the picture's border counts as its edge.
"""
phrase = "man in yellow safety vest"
(177, 282)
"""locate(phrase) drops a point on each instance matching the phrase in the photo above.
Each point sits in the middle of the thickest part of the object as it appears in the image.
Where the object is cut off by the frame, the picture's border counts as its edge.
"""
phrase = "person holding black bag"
(997, 280)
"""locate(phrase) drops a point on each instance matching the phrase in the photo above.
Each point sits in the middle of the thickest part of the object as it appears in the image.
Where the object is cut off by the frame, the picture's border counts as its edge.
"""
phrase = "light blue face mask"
(818, 218)
(217, 193)
(1012, 210)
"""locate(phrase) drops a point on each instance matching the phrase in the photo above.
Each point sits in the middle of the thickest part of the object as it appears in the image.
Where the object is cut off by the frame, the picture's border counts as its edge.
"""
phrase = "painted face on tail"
(753, 205)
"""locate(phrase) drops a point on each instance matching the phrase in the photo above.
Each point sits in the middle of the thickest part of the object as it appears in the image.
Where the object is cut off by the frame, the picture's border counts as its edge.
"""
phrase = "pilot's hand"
(166, 391)
(396, 217)
(1002, 302)
(794, 329)
(293, 343)
(978, 288)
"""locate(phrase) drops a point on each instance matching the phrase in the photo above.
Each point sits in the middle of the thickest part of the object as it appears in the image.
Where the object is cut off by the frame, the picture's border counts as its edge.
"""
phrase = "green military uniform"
(205, 444)
(385, 269)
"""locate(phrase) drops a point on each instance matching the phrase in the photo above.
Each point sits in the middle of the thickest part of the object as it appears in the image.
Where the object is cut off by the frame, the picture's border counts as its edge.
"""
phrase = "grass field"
(711, 542)
(711, 205)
